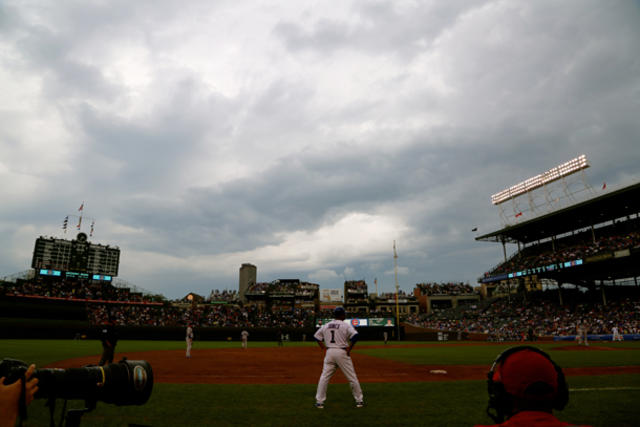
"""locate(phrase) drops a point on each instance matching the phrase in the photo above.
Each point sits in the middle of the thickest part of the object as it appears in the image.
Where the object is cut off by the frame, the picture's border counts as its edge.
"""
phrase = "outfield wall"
(16, 327)
(42, 309)
(23, 317)
(595, 337)
(416, 333)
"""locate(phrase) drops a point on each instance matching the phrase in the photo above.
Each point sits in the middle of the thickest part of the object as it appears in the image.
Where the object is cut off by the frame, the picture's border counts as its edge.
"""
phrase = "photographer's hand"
(32, 384)
(10, 396)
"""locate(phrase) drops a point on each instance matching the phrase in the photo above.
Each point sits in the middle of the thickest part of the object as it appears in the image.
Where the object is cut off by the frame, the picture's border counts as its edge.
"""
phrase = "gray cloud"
(375, 28)
(194, 135)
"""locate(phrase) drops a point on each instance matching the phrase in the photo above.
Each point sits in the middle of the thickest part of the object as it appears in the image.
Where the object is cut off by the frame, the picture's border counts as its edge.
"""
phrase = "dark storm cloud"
(155, 151)
(437, 175)
(375, 27)
(52, 45)
(50, 52)
(295, 194)
(304, 191)
(436, 106)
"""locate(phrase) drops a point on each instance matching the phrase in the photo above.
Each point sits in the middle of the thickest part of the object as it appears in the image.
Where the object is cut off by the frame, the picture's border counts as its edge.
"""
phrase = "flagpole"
(80, 209)
(395, 270)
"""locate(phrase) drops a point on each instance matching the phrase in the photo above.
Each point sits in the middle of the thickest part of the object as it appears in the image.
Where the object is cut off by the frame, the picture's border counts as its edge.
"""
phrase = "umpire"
(109, 339)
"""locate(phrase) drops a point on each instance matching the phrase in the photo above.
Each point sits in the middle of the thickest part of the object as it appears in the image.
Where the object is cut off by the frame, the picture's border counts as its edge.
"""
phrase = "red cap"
(523, 368)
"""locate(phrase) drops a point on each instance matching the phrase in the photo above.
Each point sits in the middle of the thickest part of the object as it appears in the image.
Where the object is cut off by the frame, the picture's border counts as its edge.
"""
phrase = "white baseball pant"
(333, 359)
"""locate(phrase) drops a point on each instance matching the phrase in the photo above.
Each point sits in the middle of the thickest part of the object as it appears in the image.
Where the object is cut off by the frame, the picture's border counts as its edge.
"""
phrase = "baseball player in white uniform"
(189, 339)
(245, 336)
(616, 334)
(583, 331)
(338, 338)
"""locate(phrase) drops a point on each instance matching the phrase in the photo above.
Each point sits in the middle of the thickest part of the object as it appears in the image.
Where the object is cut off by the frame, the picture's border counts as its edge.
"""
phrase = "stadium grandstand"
(574, 267)
(356, 299)
(589, 244)
(578, 265)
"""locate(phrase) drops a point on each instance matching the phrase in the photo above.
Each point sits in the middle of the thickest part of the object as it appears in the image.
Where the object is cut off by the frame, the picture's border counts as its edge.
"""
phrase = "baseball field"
(406, 383)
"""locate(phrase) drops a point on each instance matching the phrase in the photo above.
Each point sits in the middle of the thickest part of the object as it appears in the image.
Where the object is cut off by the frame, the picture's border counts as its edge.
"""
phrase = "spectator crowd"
(73, 289)
(225, 295)
(512, 319)
(227, 316)
(580, 246)
(537, 313)
(356, 286)
(445, 289)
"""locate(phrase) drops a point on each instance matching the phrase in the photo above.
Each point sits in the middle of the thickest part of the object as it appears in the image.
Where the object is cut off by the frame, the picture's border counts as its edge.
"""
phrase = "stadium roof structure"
(591, 212)
(599, 210)
(609, 269)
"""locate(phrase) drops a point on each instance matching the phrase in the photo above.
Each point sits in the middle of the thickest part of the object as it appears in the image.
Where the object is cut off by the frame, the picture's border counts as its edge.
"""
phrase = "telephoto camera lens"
(128, 382)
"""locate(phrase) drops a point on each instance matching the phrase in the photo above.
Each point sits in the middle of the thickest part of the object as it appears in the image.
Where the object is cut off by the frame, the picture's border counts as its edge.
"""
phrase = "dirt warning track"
(296, 365)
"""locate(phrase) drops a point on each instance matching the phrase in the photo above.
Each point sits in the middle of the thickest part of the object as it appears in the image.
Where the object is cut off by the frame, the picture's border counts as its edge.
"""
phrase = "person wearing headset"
(525, 386)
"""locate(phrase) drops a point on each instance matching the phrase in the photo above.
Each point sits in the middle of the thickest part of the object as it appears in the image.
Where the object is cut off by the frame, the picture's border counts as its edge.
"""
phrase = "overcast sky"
(303, 137)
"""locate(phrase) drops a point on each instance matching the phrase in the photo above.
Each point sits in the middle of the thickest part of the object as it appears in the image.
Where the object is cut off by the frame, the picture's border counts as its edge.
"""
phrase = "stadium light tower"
(528, 186)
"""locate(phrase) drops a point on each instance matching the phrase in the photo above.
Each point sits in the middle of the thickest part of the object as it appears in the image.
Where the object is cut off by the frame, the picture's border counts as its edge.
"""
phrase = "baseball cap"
(525, 368)
(338, 311)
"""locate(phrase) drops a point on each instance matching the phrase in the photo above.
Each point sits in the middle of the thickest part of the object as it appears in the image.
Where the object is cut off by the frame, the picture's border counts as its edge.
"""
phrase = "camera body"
(128, 382)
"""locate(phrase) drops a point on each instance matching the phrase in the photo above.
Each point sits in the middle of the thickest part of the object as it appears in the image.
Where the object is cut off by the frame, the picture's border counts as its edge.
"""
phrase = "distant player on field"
(109, 339)
(583, 331)
(245, 337)
(338, 338)
(616, 334)
(189, 339)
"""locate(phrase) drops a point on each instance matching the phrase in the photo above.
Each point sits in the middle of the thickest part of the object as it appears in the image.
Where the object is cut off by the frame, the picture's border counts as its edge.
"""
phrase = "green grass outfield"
(594, 400)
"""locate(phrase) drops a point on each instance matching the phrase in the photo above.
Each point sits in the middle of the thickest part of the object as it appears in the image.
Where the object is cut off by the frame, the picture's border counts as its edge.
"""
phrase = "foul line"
(604, 389)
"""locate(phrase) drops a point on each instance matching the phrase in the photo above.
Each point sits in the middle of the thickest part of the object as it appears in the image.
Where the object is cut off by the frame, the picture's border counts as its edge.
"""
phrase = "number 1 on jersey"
(333, 337)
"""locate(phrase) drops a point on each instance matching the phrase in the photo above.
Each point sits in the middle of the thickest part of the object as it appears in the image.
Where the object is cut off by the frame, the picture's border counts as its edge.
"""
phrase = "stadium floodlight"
(554, 174)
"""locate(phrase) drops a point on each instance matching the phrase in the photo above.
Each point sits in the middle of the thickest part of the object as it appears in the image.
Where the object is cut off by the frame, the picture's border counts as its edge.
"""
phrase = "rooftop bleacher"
(451, 289)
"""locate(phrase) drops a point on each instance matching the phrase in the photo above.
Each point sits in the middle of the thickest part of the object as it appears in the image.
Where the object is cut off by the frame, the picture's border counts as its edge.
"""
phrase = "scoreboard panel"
(388, 322)
(77, 255)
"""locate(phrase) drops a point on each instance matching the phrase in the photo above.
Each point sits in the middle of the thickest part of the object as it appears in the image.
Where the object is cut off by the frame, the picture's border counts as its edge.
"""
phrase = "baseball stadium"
(570, 289)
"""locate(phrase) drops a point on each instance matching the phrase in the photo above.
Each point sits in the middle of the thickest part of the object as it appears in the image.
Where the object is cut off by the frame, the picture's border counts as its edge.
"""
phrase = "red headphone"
(501, 402)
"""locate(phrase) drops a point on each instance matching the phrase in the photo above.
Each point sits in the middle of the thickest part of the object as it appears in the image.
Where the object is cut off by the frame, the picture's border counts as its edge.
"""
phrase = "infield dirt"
(297, 365)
